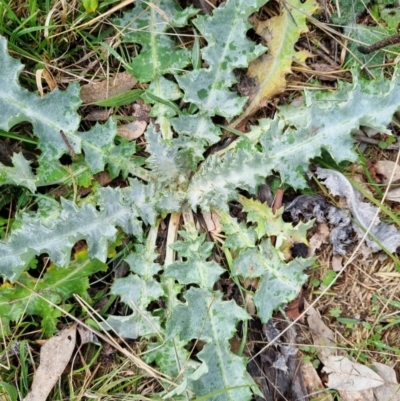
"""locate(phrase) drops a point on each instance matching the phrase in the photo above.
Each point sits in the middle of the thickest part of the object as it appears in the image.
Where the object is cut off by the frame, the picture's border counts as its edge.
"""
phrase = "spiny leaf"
(170, 356)
(348, 11)
(195, 270)
(196, 133)
(54, 112)
(137, 294)
(281, 34)
(368, 35)
(20, 174)
(280, 281)
(164, 159)
(239, 236)
(206, 317)
(270, 223)
(228, 48)
(162, 92)
(56, 286)
(98, 144)
(225, 370)
(142, 263)
(289, 141)
(54, 118)
(52, 172)
(121, 160)
(147, 25)
(193, 245)
(58, 237)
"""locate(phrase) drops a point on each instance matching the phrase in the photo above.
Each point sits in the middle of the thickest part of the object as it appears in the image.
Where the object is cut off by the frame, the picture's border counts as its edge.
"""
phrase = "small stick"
(391, 40)
(277, 205)
(70, 148)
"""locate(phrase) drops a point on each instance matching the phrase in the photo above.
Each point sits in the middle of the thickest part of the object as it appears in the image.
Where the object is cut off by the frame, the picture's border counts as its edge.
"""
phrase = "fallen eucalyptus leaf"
(350, 376)
(54, 357)
(391, 389)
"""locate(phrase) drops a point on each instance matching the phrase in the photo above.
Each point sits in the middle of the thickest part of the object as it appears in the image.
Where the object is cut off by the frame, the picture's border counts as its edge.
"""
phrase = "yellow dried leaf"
(270, 70)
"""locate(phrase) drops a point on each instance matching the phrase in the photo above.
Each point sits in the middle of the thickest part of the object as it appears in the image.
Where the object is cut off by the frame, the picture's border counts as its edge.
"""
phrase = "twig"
(391, 40)
(372, 141)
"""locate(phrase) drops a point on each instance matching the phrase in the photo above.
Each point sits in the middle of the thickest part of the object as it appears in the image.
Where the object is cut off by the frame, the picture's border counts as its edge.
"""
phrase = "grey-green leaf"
(48, 115)
(299, 134)
(280, 281)
(20, 174)
(137, 294)
(195, 271)
(146, 25)
(228, 48)
(57, 237)
(206, 317)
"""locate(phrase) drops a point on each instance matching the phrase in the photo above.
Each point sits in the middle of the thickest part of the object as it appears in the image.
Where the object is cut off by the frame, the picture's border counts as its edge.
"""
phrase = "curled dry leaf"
(353, 380)
(315, 206)
(337, 263)
(54, 357)
(120, 83)
(323, 336)
(87, 336)
(367, 395)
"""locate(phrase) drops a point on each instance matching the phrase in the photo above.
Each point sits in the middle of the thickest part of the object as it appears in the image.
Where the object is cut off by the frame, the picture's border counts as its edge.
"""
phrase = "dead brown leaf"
(313, 383)
(391, 389)
(350, 376)
(385, 169)
(132, 130)
(120, 83)
(98, 115)
(323, 336)
(337, 264)
(394, 195)
(326, 71)
(54, 357)
(87, 336)
(213, 223)
(353, 380)
(295, 308)
(320, 237)
(141, 111)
